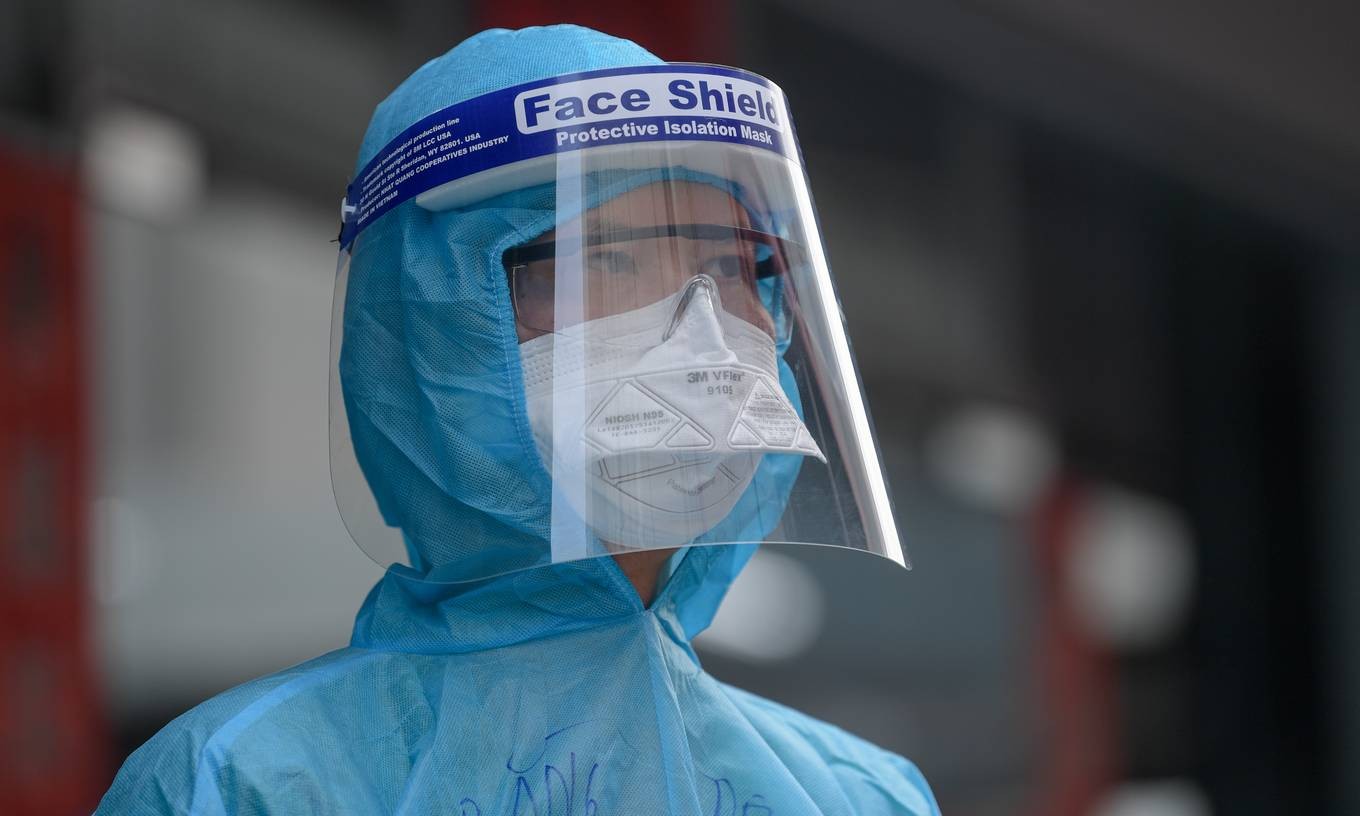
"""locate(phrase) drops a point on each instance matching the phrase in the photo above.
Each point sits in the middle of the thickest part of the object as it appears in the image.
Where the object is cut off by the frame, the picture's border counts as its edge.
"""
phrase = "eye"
(534, 281)
(728, 267)
(611, 263)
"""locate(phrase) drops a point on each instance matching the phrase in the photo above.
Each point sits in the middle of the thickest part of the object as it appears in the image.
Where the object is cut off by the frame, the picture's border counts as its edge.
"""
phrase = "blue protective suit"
(548, 691)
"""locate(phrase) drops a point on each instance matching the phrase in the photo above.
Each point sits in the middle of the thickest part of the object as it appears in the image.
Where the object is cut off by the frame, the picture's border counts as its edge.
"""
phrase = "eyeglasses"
(625, 269)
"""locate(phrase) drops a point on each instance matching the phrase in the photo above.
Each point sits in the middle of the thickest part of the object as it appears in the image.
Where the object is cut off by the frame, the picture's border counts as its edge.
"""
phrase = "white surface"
(142, 164)
(1132, 568)
(218, 551)
(774, 611)
(993, 457)
(1173, 797)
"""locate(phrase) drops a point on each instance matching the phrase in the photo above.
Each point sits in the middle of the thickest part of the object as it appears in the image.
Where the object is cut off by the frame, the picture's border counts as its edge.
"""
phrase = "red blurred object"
(1080, 763)
(53, 738)
(675, 30)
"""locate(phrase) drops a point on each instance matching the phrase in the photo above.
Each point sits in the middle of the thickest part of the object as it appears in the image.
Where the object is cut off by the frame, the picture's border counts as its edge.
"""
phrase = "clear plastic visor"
(683, 374)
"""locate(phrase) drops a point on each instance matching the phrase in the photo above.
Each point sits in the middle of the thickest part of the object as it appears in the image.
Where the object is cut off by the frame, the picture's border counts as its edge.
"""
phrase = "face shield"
(603, 322)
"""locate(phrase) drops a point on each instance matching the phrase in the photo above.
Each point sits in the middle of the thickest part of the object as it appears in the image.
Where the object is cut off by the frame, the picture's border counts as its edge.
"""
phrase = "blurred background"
(1100, 263)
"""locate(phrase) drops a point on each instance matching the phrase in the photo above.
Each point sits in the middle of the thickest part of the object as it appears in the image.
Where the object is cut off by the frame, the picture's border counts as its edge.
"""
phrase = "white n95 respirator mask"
(659, 416)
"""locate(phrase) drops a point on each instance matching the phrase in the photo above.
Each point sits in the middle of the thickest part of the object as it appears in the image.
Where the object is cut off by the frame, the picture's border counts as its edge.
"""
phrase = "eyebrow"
(543, 250)
(597, 223)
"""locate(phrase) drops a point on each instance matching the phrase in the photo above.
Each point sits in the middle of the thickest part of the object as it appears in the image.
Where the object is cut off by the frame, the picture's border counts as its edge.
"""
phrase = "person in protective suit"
(510, 683)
